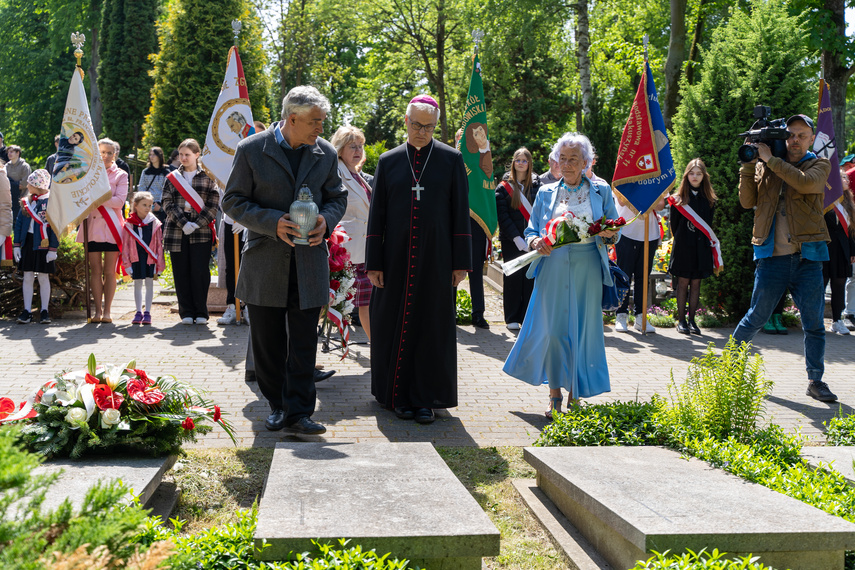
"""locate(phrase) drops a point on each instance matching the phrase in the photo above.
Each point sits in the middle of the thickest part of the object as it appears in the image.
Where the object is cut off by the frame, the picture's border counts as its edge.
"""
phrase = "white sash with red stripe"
(190, 195)
(115, 223)
(43, 225)
(692, 216)
(139, 238)
(842, 217)
(525, 205)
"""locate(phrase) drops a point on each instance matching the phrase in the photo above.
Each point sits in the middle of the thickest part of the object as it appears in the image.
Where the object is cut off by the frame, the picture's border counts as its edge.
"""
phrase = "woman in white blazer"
(349, 143)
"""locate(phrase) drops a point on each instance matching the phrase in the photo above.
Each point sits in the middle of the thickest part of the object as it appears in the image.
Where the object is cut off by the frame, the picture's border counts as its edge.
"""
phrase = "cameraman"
(789, 241)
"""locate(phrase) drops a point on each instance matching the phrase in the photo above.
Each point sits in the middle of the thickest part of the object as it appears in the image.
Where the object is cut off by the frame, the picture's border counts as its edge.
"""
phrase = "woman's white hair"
(574, 139)
(302, 99)
(425, 107)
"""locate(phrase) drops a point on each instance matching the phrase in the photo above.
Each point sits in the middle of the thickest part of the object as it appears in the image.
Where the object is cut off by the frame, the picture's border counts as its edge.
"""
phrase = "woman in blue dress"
(561, 341)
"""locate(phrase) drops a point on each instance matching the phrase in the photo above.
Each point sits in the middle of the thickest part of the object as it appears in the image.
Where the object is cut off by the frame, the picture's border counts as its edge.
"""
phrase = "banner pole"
(86, 269)
(645, 278)
(236, 252)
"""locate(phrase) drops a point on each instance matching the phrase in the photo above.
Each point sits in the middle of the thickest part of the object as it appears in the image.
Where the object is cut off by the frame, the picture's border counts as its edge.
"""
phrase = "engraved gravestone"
(399, 498)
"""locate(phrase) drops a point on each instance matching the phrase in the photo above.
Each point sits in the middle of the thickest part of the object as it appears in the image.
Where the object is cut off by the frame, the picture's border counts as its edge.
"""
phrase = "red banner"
(637, 157)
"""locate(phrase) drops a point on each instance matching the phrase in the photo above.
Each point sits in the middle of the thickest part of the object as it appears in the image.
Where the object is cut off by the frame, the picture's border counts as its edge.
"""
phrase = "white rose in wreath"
(75, 415)
(109, 417)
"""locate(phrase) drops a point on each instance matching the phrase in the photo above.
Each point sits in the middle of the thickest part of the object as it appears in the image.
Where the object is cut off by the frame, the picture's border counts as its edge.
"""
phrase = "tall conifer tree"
(194, 46)
(756, 59)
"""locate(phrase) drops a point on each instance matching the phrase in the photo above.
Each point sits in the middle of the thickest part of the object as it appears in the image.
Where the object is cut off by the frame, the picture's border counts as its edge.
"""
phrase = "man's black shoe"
(275, 421)
(405, 413)
(818, 390)
(481, 323)
(320, 375)
(249, 376)
(307, 426)
(425, 416)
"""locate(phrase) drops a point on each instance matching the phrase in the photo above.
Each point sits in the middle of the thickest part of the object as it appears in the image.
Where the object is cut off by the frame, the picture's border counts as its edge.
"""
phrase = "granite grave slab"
(838, 458)
(392, 497)
(141, 474)
(629, 501)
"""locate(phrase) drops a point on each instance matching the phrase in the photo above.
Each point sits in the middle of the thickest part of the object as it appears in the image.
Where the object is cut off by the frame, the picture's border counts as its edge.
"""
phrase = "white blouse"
(578, 202)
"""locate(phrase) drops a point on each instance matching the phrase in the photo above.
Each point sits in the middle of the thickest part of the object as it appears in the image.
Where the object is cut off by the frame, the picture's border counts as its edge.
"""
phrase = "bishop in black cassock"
(417, 251)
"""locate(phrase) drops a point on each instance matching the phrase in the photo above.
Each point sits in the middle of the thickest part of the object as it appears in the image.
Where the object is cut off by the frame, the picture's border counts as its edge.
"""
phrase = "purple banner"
(825, 146)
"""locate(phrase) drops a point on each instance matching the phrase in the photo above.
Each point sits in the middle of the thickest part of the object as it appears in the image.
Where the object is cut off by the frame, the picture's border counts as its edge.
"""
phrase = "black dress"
(417, 244)
(840, 249)
(691, 255)
(516, 288)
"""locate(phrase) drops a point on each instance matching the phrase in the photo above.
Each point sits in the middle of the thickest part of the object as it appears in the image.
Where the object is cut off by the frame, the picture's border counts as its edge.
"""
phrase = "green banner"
(475, 146)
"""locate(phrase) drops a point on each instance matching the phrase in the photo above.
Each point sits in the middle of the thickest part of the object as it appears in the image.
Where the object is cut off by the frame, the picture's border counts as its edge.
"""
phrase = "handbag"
(613, 296)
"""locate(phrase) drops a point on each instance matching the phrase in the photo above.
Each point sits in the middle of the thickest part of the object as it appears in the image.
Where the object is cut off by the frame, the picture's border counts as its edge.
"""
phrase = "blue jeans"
(772, 277)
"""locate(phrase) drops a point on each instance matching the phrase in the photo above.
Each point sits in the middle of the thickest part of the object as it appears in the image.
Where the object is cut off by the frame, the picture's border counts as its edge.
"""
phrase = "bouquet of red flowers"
(563, 230)
(342, 283)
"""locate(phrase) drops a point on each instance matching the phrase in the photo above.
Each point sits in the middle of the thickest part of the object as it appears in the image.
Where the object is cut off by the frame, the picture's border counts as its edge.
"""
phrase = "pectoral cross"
(418, 190)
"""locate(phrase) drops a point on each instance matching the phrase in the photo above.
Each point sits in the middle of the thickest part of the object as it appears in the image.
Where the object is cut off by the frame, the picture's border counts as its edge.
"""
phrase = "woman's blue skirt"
(561, 341)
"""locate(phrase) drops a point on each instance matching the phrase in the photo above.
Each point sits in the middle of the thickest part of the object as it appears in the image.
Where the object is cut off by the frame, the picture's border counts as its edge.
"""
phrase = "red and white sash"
(842, 217)
(705, 228)
(31, 208)
(6, 249)
(115, 224)
(525, 205)
(190, 195)
(139, 238)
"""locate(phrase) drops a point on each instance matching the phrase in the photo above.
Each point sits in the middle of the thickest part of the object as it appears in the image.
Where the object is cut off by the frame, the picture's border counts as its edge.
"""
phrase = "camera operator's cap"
(808, 121)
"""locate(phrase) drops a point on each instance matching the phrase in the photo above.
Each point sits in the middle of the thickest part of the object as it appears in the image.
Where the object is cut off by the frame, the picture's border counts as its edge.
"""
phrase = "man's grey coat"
(260, 189)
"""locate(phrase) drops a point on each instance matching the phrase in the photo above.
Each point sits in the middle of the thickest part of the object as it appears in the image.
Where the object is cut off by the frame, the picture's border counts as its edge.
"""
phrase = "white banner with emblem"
(230, 123)
(80, 181)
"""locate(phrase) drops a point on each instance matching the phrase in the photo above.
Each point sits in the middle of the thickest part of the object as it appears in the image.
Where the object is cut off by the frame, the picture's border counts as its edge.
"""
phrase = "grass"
(216, 483)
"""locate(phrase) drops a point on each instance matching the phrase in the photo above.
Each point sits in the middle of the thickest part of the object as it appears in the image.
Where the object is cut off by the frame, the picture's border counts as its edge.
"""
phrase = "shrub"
(613, 423)
(722, 395)
(697, 561)
(232, 546)
(464, 307)
(840, 430)
(27, 532)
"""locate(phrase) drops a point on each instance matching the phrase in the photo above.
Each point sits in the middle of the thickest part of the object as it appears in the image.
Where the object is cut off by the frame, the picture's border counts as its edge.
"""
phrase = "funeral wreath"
(108, 408)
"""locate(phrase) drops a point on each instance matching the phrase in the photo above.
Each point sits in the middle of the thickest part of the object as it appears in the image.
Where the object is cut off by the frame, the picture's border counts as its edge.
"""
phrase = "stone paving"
(494, 409)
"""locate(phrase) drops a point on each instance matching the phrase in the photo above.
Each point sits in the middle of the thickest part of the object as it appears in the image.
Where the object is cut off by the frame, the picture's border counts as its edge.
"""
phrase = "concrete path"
(494, 409)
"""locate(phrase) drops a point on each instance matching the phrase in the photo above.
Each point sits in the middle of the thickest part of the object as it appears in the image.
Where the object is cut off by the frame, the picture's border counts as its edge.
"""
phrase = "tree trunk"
(440, 68)
(675, 60)
(837, 75)
(583, 44)
(694, 51)
(94, 94)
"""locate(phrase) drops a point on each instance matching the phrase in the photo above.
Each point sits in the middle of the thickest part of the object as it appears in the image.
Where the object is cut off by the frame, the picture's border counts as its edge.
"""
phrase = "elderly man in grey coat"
(285, 285)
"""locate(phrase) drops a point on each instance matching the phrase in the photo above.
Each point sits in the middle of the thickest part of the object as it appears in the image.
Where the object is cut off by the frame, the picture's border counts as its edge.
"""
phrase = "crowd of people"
(412, 243)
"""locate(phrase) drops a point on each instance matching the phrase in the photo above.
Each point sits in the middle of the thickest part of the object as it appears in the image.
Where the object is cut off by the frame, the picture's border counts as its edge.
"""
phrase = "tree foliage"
(194, 40)
(525, 84)
(35, 79)
(755, 59)
(128, 40)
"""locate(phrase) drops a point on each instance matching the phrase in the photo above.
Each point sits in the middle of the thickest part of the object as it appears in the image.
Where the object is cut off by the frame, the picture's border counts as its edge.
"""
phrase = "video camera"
(773, 133)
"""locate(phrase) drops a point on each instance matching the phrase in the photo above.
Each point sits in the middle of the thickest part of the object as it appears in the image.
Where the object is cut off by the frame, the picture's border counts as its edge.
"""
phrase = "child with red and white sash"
(35, 245)
(191, 200)
(142, 252)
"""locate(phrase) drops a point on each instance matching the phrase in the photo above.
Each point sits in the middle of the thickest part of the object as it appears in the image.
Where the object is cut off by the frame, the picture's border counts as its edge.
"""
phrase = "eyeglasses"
(356, 147)
(418, 127)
